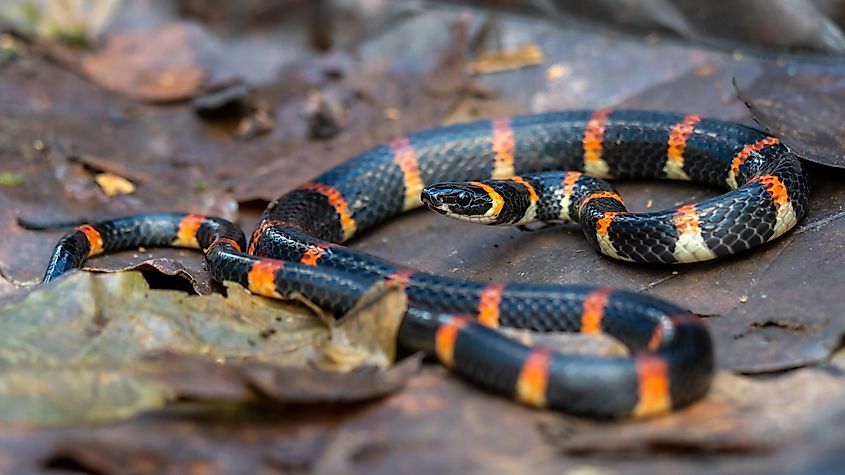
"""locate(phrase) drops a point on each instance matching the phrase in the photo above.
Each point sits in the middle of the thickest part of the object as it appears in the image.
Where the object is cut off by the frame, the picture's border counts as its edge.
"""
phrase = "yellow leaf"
(506, 60)
(113, 185)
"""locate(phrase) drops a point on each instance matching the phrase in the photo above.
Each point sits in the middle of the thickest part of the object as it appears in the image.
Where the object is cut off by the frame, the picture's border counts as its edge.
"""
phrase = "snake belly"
(296, 248)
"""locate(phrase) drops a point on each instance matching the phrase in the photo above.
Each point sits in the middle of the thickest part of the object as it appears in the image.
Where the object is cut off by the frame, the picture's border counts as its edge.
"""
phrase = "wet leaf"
(806, 113)
(794, 25)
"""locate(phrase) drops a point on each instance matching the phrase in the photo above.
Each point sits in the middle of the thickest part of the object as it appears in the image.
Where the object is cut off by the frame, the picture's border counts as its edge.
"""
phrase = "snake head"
(471, 201)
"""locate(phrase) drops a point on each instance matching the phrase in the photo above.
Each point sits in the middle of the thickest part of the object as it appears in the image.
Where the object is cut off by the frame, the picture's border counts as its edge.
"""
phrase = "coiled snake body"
(296, 246)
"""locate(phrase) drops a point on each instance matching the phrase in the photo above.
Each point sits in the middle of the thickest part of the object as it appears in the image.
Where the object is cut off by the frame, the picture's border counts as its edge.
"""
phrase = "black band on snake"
(296, 247)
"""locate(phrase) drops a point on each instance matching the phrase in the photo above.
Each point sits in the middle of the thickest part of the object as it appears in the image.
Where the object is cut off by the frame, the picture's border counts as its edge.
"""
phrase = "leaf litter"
(95, 347)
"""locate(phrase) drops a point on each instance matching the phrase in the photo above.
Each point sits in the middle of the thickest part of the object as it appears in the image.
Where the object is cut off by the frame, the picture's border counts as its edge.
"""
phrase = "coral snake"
(670, 362)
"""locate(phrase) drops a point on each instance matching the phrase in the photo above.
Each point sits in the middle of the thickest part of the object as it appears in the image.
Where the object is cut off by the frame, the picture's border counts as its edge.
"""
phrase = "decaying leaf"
(366, 336)
(804, 112)
(131, 63)
(494, 61)
(94, 347)
(740, 414)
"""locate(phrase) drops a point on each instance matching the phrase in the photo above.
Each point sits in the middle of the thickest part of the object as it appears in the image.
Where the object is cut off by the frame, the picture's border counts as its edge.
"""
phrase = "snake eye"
(463, 199)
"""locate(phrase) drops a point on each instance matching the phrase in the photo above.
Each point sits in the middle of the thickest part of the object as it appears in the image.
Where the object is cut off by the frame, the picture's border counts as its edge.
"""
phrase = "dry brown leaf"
(94, 347)
(367, 335)
(157, 66)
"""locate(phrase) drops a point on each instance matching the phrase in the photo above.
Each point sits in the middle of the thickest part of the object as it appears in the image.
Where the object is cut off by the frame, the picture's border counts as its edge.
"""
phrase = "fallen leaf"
(740, 414)
(495, 61)
(95, 347)
(113, 185)
(132, 63)
(805, 112)
(367, 335)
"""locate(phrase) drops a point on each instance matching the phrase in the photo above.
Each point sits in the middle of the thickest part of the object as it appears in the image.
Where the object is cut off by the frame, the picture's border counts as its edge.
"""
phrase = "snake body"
(296, 247)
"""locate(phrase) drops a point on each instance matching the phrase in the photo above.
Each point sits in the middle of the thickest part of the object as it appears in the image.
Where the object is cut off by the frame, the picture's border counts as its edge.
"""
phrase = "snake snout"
(440, 197)
(431, 198)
